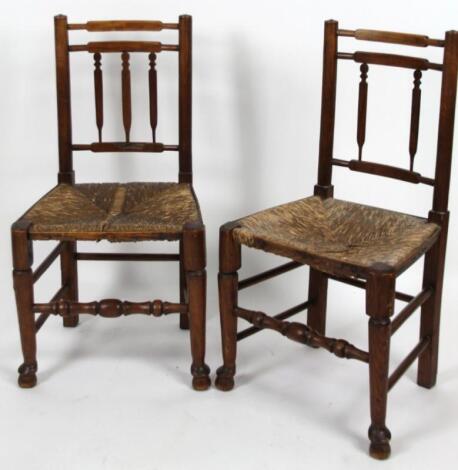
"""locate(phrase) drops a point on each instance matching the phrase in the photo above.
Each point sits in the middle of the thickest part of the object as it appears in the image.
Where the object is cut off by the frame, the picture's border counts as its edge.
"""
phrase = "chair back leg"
(69, 271)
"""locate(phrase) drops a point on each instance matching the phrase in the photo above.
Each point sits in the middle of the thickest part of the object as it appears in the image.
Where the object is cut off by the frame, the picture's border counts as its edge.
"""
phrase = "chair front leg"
(379, 306)
(230, 262)
(196, 281)
(69, 271)
(23, 287)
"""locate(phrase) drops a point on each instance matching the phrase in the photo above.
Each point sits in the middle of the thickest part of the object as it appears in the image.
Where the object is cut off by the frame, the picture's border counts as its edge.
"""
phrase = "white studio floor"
(115, 394)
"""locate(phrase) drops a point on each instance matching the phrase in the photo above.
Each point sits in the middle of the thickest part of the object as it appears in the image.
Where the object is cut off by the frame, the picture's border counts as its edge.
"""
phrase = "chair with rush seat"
(113, 211)
(363, 246)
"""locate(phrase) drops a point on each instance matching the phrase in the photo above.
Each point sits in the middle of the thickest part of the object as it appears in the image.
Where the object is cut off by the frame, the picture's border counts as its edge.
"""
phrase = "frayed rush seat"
(338, 234)
(96, 211)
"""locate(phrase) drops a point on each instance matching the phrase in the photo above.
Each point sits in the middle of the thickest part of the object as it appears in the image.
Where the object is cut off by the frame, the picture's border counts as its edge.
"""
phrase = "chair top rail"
(391, 60)
(121, 25)
(405, 39)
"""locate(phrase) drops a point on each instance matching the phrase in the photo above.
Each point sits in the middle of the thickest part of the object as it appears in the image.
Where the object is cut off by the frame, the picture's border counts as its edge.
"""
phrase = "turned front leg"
(229, 262)
(196, 282)
(23, 287)
(379, 306)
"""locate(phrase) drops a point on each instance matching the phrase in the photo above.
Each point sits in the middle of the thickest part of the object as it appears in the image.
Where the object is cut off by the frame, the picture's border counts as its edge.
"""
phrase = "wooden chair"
(111, 211)
(363, 246)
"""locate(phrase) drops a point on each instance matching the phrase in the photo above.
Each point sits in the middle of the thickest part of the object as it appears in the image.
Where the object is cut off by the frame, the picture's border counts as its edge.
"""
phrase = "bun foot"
(27, 375)
(200, 378)
(225, 379)
(71, 322)
(380, 443)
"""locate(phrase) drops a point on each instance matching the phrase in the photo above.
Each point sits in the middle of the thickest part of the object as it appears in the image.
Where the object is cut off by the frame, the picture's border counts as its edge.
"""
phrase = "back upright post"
(185, 99)
(64, 119)
(328, 104)
(433, 275)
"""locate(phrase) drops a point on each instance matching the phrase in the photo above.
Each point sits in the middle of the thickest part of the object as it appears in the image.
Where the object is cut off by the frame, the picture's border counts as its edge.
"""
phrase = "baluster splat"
(98, 91)
(152, 75)
(126, 95)
(415, 116)
(362, 109)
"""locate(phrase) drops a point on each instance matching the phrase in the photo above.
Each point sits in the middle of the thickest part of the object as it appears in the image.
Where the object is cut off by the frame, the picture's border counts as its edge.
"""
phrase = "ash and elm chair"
(363, 246)
(111, 211)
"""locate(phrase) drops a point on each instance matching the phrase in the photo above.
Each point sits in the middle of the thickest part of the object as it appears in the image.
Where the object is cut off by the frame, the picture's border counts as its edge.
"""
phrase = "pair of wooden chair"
(363, 246)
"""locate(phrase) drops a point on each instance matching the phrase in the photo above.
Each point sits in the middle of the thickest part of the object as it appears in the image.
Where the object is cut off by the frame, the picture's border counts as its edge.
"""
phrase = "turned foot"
(200, 377)
(225, 378)
(380, 443)
(71, 322)
(27, 375)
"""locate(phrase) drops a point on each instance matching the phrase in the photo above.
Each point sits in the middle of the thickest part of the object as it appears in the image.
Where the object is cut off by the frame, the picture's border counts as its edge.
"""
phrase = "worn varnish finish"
(362, 246)
(111, 211)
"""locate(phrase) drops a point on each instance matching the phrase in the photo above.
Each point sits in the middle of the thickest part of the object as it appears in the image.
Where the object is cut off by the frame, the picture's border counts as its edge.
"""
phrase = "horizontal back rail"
(384, 170)
(120, 25)
(417, 40)
(391, 60)
(126, 147)
(122, 46)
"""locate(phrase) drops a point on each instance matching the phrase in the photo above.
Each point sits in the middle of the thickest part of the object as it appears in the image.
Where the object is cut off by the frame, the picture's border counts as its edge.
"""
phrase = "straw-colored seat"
(347, 233)
(99, 210)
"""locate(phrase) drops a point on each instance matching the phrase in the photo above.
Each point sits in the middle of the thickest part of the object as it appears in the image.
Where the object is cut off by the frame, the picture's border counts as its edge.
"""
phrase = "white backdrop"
(116, 394)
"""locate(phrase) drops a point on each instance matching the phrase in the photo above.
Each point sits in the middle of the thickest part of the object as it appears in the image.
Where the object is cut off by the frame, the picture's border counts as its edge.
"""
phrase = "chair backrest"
(124, 48)
(448, 68)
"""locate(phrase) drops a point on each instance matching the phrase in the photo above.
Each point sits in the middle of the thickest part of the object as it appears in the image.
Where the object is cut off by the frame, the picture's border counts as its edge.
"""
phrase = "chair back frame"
(448, 68)
(64, 113)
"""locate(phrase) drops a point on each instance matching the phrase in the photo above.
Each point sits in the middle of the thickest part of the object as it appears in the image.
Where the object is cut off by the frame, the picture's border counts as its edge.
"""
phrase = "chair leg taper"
(184, 319)
(23, 287)
(69, 271)
(230, 262)
(196, 282)
(379, 306)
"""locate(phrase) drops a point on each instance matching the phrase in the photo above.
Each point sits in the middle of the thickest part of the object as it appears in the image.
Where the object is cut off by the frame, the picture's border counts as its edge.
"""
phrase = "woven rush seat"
(347, 233)
(96, 210)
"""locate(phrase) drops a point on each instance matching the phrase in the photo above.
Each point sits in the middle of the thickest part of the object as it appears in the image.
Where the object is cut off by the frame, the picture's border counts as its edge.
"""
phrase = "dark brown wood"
(418, 40)
(184, 99)
(302, 334)
(269, 274)
(328, 105)
(152, 81)
(178, 214)
(123, 25)
(388, 171)
(69, 277)
(416, 352)
(127, 256)
(410, 308)
(64, 113)
(362, 285)
(46, 263)
(194, 261)
(229, 263)
(98, 91)
(126, 95)
(109, 308)
(319, 238)
(279, 316)
(415, 117)
(318, 294)
(392, 60)
(23, 288)
(154, 147)
(121, 46)
(379, 306)
(362, 110)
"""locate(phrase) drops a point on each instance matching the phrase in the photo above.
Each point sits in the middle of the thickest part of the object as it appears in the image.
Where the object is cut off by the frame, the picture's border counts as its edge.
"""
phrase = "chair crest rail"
(303, 334)
(120, 25)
